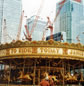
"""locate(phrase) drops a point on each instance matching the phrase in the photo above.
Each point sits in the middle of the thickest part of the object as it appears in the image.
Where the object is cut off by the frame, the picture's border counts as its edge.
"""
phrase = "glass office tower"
(71, 21)
(1, 15)
(39, 25)
(10, 10)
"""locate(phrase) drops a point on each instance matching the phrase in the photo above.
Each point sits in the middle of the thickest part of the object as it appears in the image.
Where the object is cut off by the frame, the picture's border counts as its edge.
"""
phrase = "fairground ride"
(27, 63)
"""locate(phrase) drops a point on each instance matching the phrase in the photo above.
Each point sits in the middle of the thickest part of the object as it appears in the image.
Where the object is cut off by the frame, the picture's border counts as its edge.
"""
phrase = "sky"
(41, 8)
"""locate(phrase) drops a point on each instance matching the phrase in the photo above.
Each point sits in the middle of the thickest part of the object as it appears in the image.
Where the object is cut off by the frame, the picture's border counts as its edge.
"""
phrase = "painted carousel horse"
(24, 77)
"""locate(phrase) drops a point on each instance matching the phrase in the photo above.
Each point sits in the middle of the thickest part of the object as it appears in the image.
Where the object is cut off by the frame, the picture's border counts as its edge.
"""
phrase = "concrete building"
(71, 20)
(10, 10)
(39, 25)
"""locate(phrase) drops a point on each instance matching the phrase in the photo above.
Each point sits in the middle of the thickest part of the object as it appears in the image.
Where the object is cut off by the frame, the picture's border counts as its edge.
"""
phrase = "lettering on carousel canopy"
(41, 51)
(34, 50)
(15, 51)
(75, 52)
(46, 51)
(3, 53)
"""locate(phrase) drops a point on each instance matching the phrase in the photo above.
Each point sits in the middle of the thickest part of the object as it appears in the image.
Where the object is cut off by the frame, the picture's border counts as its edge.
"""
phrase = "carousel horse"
(24, 77)
(70, 77)
(49, 77)
(45, 75)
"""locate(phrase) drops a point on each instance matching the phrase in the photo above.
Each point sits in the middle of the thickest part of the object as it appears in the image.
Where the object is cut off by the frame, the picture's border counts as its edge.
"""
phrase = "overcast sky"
(47, 7)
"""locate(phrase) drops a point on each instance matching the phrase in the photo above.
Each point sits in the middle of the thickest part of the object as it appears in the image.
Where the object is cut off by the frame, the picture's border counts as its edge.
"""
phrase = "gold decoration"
(34, 50)
(51, 41)
(34, 42)
(41, 43)
(66, 43)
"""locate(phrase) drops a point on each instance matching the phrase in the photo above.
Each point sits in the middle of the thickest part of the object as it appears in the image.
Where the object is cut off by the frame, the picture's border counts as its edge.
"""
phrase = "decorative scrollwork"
(41, 43)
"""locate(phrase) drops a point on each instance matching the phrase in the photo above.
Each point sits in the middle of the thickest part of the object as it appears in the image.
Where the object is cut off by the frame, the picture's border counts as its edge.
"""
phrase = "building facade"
(36, 25)
(71, 20)
(10, 10)
(1, 14)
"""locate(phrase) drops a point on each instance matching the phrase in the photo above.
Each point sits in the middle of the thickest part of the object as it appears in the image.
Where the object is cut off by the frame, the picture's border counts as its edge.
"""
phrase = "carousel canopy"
(42, 49)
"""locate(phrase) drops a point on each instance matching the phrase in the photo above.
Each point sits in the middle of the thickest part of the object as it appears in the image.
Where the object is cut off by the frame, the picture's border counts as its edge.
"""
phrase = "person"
(44, 82)
(51, 82)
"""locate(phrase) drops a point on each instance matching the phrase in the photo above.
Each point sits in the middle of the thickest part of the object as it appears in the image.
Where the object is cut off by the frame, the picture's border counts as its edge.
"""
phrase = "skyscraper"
(1, 14)
(38, 25)
(71, 20)
(10, 10)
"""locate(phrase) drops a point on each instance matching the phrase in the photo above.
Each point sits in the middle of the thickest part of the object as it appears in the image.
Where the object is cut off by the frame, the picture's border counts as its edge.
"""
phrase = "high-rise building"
(38, 25)
(71, 20)
(1, 14)
(10, 10)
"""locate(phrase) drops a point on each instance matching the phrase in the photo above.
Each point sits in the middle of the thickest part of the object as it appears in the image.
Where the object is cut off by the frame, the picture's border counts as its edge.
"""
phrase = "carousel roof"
(43, 49)
(49, 43)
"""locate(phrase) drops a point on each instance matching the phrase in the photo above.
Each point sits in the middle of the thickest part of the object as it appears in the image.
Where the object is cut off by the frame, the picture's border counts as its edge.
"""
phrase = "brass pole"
(81, 72)
(34, 71)
(23, 66)
(63, 71)
(9, 77)
(38, 76)
(68, 67)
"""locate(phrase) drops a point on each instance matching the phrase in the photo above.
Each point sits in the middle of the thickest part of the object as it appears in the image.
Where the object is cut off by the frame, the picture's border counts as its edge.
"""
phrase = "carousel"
(27, 63)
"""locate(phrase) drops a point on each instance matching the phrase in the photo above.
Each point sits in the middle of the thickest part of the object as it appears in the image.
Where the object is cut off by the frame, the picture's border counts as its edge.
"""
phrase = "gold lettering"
(24, 50)
(53, 51)
(41, 50)
(13, 50)
(7, 52)
(45, 50)
(2, 52)
(34, 50)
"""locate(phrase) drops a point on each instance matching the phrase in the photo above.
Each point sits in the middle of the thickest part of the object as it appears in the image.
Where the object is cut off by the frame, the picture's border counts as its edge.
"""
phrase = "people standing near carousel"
(48, 80)
(51, 82)
(44, 82)
(45, 79)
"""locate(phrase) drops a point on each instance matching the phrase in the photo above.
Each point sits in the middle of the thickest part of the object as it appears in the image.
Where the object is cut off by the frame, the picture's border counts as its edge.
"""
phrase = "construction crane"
(20, 26)
(29, 34)
(61, 4)
(44, 32)
(77, 37)
(4, 31)
(50, 26)
(5, 34)
(79, 1)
